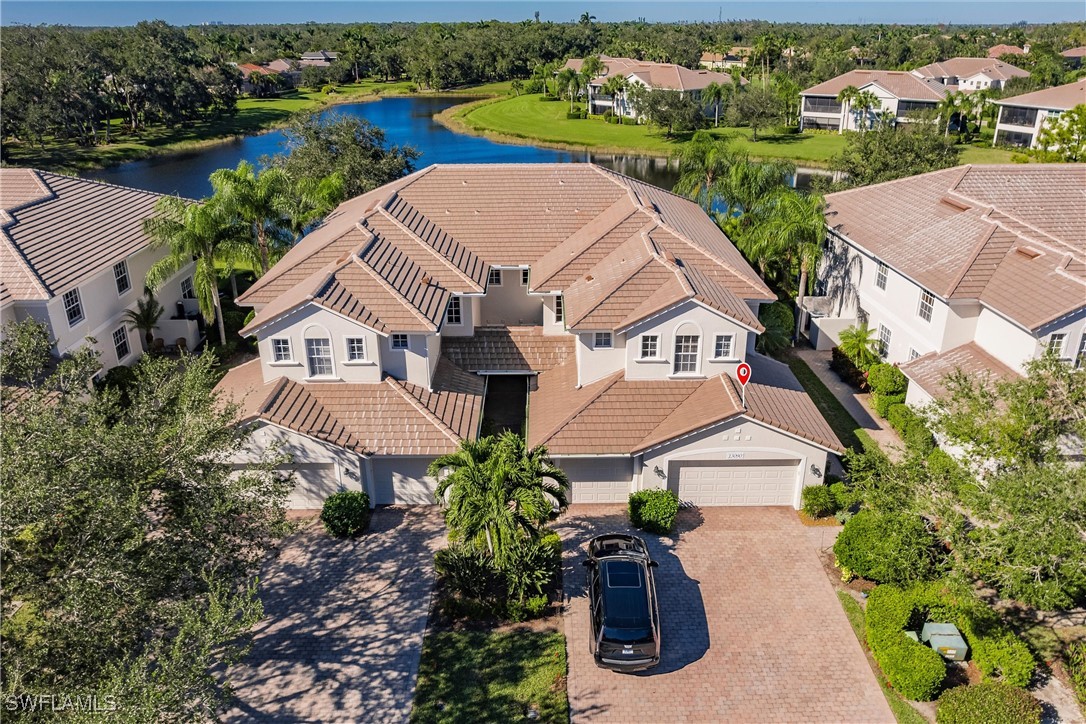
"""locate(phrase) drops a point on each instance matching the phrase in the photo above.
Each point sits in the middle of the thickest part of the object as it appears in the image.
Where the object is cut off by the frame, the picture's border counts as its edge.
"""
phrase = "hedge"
(913, 669)
(912, 428)
(654, 510)
(883, 402)
(989, 702)
(887, 547)
(886, 379)
(819, 501)
(346, 514)
(846, 369)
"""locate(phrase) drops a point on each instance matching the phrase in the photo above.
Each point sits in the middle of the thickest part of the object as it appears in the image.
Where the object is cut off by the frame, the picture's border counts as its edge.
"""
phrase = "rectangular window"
(927, 303)
(884, 340)
(120, 343)
(559, 309)
(650, 346)
(603, 340)
(120, 275)
(1080, 358)
(356, 349)
(399, 341)
(452, 312)
(281, 350)
(318, 352)
(524, 277)
(187, 290)
(686, 353)
(913, 354)
(880, 275)
(73, 307)
(1056, 343)
(495, 278)
(723, 347)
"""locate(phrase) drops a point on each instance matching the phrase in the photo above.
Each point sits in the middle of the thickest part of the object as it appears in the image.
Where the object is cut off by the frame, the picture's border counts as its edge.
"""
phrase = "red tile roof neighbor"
(901, 83)
(449, 224)
(1060, 98)
(619, 416)
(967, 67)
(1002, 49)
(58, 231)
(931, 370)
(668, 76)
(1012, 237)
(390, 418)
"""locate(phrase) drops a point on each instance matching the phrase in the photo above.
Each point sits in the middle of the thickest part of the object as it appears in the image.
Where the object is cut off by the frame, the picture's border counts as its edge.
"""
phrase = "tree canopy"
(888, 151)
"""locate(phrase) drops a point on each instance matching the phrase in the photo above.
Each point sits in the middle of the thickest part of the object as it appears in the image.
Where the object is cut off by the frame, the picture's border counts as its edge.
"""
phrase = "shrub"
(1075, 657)
(531, 566)
(627, 121)
(886, 379)
(846, 370)
(990, 702)
(899, 415)
(913, 669)
(912, 428)
(468, 572)
(346, 514)
(845, 497)
(535, 85)
(818, 501)
(575, 115)
(534, 607)
(883, 402)
(887, 547)
(654, 510)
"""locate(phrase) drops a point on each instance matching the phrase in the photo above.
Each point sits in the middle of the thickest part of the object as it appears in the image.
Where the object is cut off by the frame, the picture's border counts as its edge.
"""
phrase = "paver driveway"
(752, 630)
(343, 624)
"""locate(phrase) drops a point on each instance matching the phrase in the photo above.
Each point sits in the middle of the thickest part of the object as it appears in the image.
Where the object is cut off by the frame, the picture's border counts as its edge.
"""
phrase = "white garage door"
(313, 482)
(403, 481)
(748, 482)
(598, 480)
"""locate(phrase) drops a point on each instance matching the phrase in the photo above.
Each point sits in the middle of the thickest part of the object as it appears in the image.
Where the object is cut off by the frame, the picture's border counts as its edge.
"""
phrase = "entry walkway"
(858, 404)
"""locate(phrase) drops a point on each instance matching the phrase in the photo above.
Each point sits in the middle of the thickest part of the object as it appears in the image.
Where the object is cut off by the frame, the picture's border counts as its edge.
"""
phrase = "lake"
(406, 120)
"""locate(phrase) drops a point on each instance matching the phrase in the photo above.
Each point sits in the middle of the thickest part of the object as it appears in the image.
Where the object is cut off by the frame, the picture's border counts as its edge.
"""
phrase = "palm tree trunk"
(234, 285)
(718, 114)
(218, 317)
(799, 300)
(262, 242)
(489, 542)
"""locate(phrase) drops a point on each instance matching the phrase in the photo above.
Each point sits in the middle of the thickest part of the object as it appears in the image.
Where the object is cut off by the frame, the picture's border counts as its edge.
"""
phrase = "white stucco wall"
(466, 328)
(687, 318)
(510, 304)
(595, 364)
(409, 364)
(550, 325)
(312, 321)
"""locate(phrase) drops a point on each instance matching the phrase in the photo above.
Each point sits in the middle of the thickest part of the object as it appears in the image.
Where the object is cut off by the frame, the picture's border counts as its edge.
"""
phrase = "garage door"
(747, 482)
(313, 482)
(598, 480)
(403, 481)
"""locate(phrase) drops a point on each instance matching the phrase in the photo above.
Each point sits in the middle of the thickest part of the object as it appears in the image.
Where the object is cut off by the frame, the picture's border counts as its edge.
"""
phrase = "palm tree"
(145, 317)
(702, 163)
(586, 18)
(310, 201)
(764, 47)
(748, 185)
(859, 345)
(498, 492)
(616, 87)
(208, 233)
(571, 81)
(715, 94)
(259, 200)
(516, 86)
(859, 103)
(947, 108)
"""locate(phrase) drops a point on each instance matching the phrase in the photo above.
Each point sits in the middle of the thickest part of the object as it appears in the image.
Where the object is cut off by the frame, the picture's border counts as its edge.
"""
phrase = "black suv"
(625, 617)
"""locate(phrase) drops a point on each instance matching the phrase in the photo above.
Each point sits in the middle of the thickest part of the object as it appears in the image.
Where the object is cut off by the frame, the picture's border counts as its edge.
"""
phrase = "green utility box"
(945, 638)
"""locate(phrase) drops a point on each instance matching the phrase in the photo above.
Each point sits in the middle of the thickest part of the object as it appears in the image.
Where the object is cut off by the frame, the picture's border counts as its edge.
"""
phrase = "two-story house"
(1021, 118)
(74, 256)
(981, 268)
(899, 93)
(970, 74)
(662, 76)
(600, 316)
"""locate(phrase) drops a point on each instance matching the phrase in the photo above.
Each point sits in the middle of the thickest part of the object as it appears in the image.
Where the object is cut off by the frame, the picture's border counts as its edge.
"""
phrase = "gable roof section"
(968, 67)
(667, 76)
(931, 370)
(1012, 237)
(390, 418)
(900, 83)
(58, 231)
(1060, 98)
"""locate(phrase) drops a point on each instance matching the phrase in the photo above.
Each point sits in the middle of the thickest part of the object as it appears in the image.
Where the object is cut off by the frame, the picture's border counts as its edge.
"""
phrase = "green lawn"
(530, 118)
(846, 428)
(903, 712)
(478, 676)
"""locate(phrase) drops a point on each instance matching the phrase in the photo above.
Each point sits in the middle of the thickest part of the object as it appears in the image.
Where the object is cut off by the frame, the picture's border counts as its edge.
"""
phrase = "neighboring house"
(248, 70)
(604, 315)
(320, 58)
(722, 61)
(970, 74)
(289, 70)
(1022, 117)
(1074, 56)
(663, 76)
(997, 51)
(899, 92)
(74, 256)
(977, 267)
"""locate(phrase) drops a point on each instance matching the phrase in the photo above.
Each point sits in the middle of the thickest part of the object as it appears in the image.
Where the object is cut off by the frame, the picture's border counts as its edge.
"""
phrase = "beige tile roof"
(931, 370)
(901, 83)
(667, 76)
(524, 349)
(1012, 237)
(1003, 49)
(1060, 98)
(390, 418)
(619, 416)
(450, 223)
(1079, 52)
(968, 67)
(58, 231)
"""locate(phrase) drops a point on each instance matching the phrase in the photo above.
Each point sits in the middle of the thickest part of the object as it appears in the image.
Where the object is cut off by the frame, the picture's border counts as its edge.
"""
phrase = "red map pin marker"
(743, 373)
